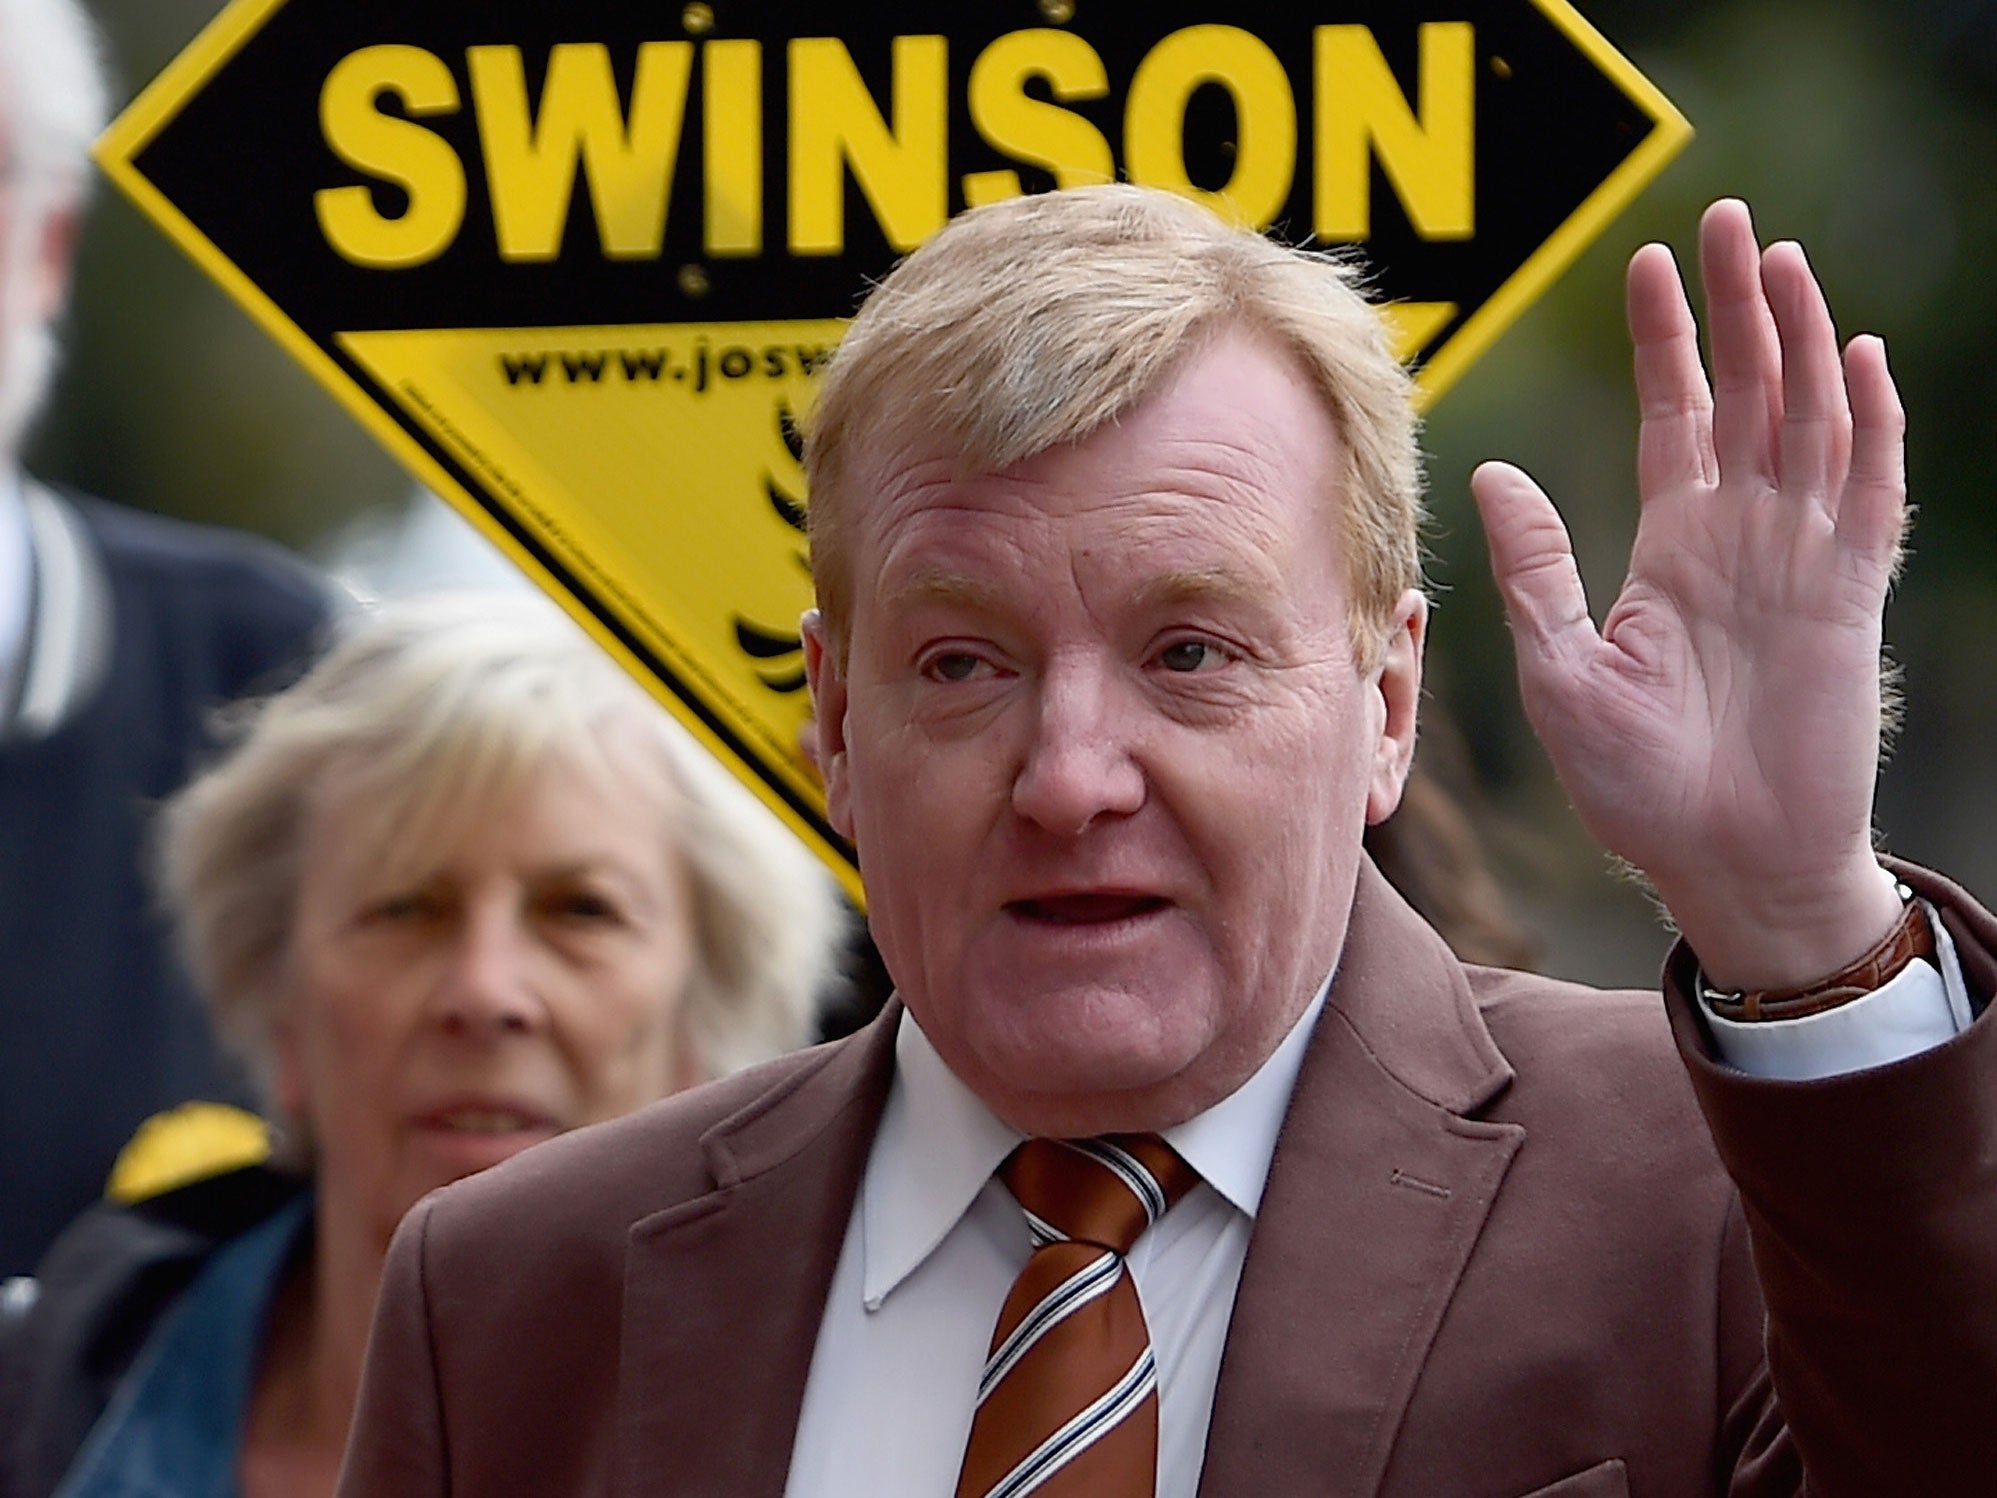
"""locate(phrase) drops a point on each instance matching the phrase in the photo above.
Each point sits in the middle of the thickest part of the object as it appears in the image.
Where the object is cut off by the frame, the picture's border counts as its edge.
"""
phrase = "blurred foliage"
(1868, 131)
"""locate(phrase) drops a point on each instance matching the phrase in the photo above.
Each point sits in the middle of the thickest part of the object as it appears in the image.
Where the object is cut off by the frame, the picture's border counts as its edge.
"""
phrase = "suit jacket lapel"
(732, 1283)
(1379, 1187)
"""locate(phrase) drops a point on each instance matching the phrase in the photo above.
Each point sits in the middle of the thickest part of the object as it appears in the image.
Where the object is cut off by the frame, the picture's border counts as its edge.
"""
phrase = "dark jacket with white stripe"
(140, 627)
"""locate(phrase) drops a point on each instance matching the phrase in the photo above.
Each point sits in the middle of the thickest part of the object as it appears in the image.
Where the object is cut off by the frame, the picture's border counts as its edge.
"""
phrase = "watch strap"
(1913, 936)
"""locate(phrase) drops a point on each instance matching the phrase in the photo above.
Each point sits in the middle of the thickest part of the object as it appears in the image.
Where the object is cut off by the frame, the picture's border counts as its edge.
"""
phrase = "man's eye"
(1190, 655)
(955, 666)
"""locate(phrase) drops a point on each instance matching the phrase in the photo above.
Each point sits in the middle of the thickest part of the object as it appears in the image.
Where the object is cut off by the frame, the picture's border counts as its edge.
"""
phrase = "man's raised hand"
(1721, 730)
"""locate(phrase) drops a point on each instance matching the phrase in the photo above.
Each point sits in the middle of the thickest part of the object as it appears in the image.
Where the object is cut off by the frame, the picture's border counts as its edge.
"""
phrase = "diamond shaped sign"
(576, 264)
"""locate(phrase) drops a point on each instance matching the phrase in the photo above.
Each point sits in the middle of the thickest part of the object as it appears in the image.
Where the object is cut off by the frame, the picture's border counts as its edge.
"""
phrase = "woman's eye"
(405, 907)
(581, 906)
(1190, 655)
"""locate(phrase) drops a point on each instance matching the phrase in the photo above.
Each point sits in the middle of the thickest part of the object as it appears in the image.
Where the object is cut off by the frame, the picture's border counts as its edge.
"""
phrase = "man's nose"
(486, 985)
(1077, 765)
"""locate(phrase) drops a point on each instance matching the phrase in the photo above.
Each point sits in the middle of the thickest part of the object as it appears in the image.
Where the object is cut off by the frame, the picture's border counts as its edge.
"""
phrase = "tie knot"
(1104, 1191)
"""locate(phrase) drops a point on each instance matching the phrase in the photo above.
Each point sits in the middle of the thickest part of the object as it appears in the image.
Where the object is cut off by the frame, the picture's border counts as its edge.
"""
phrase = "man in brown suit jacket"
(1115, 519)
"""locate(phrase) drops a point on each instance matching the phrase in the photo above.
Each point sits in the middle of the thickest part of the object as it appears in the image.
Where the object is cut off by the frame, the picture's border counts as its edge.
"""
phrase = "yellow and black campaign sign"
(576, 263)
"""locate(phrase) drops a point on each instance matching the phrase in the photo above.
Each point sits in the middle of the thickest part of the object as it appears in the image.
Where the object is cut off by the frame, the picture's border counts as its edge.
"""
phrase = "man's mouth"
(1086, 909)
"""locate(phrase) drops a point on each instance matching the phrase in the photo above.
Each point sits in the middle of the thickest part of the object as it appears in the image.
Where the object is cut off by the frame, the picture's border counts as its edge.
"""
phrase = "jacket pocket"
(1603, 1480)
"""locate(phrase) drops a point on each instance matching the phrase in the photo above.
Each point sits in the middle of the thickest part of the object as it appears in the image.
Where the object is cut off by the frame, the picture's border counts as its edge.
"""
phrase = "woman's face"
(523, 981)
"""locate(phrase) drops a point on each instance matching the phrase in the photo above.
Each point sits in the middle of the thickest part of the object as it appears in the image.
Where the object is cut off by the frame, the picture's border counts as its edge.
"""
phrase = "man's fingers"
(1872, 512)
(1532, 560)
(1675, 443)
(1815, 442)
(1747, 351)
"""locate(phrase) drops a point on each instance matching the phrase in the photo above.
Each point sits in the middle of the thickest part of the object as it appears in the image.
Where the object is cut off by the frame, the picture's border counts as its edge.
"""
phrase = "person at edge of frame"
(120, 633)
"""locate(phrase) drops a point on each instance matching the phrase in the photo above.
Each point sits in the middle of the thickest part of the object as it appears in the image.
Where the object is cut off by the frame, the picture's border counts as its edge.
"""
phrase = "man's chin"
(1095, 1075)
(1082, 1114)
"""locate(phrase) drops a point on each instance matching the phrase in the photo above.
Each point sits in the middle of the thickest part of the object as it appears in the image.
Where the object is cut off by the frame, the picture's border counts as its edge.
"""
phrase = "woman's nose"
(486, 983)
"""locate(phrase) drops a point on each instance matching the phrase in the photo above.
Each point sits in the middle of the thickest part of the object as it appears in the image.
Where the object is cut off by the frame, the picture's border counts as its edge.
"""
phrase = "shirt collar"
(938, 1145)
(1232, 1143)
(16, 579)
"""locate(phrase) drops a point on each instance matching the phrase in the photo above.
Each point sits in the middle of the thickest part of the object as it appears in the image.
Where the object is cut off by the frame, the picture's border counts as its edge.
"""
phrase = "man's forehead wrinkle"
(1224, 468)
(905, 474)
(1246, 449)
(909, 484)
(1234, 517)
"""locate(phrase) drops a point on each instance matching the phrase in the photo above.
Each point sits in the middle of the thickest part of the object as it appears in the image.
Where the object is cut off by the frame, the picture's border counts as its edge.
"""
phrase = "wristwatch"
(1911, 937)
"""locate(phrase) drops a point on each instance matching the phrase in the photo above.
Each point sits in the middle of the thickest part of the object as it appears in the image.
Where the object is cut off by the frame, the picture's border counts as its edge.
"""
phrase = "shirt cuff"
(1921, 1007)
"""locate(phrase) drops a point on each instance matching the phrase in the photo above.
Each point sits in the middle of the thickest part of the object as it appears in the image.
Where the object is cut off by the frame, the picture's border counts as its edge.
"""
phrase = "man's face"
(37, 239)
(1103, 747)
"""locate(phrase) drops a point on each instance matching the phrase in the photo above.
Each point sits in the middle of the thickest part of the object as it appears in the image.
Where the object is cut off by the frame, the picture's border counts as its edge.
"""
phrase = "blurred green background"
(1868, 131)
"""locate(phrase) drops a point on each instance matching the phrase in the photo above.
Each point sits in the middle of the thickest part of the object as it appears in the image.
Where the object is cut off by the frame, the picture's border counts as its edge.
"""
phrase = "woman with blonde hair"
(462, 888)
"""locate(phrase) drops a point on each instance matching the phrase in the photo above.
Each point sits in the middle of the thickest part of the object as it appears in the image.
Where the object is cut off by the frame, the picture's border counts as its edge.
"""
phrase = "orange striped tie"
(1068, 1404)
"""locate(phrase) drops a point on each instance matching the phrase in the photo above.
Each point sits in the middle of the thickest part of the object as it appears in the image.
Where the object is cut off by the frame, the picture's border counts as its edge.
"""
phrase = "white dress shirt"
(935, 1242)
(1912, 1012)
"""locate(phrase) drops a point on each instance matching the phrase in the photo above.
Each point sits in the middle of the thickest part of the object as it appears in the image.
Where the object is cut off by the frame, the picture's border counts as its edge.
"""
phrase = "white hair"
(54, 98)
(53, 92)
(431, 711)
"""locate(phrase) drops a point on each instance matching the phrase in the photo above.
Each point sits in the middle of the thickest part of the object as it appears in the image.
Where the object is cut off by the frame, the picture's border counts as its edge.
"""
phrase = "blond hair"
(432, 712)
(1037, 321)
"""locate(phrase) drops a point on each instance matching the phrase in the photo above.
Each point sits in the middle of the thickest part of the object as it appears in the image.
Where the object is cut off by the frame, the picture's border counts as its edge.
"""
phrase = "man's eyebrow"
(939, 588)
(935, 588)
(1201, 585)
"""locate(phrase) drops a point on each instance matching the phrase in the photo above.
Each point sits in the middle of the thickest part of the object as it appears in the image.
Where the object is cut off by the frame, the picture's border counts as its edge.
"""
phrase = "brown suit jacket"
(1498, 1256)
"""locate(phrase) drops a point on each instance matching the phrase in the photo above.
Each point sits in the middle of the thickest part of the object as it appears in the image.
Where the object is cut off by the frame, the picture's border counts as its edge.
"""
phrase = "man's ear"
(827, 677)
(1399, 685)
